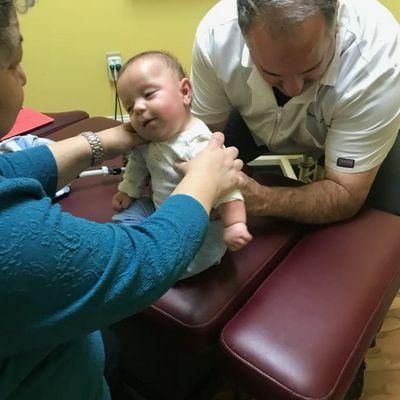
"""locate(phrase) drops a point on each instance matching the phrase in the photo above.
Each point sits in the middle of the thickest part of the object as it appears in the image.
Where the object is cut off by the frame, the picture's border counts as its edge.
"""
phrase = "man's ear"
(186, 90)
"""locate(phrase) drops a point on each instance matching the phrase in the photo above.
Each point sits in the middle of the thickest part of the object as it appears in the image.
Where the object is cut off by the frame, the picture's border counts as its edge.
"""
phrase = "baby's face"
(152, 95)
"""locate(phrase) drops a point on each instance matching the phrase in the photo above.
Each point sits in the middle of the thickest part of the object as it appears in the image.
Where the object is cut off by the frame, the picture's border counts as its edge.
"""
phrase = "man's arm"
(339, 196)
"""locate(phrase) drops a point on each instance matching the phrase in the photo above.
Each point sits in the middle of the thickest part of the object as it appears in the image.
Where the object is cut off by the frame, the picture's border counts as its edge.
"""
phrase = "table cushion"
(305, 331)
(198, 307)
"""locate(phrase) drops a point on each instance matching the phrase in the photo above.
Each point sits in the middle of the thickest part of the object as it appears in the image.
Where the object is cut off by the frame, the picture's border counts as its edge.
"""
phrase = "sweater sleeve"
(62, 276)
(36, 163)
(136, 175)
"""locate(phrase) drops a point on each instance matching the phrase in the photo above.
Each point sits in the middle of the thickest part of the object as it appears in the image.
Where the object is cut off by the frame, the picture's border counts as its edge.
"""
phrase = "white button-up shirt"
(352, 114)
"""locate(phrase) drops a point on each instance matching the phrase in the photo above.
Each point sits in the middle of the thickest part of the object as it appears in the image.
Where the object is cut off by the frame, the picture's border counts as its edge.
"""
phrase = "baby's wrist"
(237, 223)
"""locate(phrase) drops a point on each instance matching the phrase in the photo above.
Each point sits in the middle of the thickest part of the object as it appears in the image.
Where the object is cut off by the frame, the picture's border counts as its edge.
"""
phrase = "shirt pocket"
(313, 131)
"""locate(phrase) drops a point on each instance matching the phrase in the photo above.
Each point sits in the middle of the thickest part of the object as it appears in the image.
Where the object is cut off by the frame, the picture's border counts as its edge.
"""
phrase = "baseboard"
(125, 117)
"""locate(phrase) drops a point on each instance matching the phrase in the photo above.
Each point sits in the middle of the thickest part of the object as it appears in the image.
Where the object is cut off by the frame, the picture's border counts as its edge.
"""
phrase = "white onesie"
(156, 160)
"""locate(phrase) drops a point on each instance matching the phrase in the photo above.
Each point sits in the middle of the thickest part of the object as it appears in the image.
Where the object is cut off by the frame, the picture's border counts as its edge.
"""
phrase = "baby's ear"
(186, 90)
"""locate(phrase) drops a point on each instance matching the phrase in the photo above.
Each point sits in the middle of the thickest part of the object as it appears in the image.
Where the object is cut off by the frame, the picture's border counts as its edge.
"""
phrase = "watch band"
(96, 146)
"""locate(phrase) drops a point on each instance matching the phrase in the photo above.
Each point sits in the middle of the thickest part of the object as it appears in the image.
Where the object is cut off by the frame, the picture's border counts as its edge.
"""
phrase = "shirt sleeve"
(365, 123)
(235, 195)
(36, 163)
(210, 102)
(63, 276)
(136, 175)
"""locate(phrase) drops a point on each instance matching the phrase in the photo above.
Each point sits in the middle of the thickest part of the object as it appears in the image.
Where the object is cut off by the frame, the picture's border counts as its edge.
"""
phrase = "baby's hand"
(121, 201)
(236, 236)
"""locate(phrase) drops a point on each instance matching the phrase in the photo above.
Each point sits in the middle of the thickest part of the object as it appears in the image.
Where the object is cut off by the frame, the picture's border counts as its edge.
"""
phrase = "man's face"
(12, 81)
(293, 62)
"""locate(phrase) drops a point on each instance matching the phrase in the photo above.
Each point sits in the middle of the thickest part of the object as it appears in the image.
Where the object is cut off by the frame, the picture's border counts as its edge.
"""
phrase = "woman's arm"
(74, 155)
(64, 276)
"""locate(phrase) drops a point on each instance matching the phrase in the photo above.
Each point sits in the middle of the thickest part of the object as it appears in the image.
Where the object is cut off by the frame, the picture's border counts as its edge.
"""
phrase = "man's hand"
(254, 195)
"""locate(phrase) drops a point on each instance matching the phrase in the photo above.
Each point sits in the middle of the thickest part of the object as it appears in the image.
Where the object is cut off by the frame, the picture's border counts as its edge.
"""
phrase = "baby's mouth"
(146, 121)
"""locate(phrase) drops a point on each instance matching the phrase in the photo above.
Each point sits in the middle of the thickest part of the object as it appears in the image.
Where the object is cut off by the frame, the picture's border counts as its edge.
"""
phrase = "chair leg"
(356, 388)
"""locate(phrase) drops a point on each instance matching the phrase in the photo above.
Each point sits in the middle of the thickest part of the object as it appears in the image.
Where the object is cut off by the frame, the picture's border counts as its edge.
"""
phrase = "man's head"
(12, 77)
(156, 93)
(291, 41)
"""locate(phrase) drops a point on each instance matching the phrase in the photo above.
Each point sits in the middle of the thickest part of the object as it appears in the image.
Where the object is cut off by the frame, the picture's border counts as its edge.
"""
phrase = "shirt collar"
(331, 73)
(246, 60)
(330, 76)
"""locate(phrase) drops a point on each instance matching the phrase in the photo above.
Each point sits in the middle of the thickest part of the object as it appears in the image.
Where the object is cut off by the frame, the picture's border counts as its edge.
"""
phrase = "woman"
(62, 278)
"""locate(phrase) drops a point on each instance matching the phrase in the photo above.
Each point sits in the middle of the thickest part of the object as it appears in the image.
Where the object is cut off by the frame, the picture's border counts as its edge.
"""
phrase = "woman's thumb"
(217, 140)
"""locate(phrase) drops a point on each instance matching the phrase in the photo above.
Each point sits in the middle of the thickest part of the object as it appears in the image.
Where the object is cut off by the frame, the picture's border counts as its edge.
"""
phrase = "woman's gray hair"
(8, 42)
(282, 16)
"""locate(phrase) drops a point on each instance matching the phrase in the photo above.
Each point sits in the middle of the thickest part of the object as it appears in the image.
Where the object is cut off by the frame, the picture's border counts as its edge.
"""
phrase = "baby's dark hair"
(169, 59)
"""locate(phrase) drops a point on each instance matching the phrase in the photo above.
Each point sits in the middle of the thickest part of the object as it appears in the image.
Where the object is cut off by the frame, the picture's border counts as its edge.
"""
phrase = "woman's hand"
(119, 139)
(218, 164)
(213, 173)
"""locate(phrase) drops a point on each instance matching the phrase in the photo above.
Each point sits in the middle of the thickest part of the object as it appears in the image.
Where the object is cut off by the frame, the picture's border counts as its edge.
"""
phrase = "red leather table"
(321, 299)
(194, 310)
(304, 333)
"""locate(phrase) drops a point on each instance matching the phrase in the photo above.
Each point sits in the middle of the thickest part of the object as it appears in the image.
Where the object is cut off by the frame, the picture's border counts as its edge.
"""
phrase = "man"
(320, 77)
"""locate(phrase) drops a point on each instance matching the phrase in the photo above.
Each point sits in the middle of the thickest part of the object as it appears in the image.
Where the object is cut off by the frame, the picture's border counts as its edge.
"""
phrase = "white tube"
(95, 172)
(103, 171)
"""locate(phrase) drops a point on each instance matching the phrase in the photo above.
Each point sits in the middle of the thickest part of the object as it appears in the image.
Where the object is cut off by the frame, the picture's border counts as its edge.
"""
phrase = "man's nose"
(293, 86)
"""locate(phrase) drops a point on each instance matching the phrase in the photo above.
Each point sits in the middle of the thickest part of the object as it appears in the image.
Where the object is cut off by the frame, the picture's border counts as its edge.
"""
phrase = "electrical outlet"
(113, 59)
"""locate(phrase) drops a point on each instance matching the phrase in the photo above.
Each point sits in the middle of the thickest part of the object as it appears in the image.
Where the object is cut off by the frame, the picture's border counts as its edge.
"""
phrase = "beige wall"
(393, 6)
(66, 42)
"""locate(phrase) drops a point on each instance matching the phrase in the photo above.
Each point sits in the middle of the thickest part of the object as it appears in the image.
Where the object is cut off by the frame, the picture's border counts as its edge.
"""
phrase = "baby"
(156, 93)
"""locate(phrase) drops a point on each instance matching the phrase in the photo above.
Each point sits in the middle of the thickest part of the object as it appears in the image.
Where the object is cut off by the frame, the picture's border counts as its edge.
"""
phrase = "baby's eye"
(149, 94)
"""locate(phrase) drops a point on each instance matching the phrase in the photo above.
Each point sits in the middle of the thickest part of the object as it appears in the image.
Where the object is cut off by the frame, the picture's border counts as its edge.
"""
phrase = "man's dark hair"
(282, 16)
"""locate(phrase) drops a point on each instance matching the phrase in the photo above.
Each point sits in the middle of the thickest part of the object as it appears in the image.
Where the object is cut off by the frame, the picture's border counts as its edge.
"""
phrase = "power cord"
(118, 68)
(117, 104)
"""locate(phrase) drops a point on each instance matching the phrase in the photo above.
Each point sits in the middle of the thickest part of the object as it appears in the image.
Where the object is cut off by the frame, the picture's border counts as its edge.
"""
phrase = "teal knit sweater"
(62, 278)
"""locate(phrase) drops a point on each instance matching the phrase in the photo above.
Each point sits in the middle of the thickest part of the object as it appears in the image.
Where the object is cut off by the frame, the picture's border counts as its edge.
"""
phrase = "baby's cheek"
(132, 121)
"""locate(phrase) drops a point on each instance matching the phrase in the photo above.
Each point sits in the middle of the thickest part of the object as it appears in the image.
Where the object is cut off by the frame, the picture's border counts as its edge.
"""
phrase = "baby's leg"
(139, 210)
